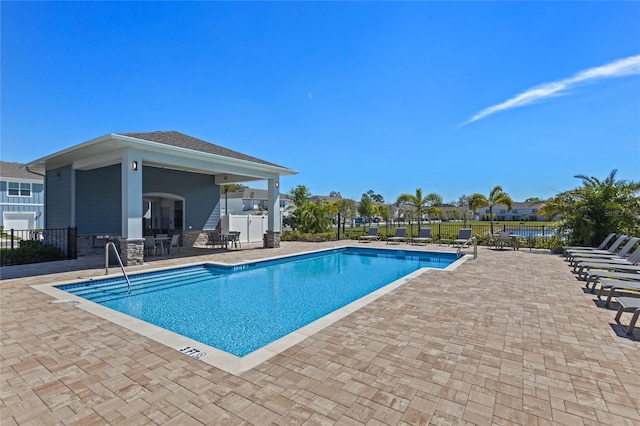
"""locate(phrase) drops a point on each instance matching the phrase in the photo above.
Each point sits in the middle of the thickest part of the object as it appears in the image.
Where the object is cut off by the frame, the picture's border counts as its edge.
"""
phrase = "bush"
(307, 236)
(30, 252)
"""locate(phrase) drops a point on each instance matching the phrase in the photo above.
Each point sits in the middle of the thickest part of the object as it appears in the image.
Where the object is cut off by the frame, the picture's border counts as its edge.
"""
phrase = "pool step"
(121, 291)
(100, 293)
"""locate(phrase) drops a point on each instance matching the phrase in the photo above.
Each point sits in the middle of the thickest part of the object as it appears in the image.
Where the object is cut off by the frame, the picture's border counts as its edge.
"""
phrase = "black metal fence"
(20, 246)
(451, 229)
(541, 236)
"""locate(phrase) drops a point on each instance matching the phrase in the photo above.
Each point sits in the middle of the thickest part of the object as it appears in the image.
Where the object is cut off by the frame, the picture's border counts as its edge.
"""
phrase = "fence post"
(72, 243)
(11, 239)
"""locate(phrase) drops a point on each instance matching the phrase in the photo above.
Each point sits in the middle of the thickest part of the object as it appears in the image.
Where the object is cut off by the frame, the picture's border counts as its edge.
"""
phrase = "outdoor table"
(161, 239)
(515, 242)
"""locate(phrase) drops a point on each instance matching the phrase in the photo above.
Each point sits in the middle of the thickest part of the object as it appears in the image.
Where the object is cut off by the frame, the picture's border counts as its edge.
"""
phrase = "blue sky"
(450, 97)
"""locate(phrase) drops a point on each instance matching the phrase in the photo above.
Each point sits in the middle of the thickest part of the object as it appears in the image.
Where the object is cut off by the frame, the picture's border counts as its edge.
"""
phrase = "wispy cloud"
(618, 68)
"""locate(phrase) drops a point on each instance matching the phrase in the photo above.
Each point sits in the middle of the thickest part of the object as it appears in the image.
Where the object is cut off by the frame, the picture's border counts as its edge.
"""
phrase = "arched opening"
(162, 213)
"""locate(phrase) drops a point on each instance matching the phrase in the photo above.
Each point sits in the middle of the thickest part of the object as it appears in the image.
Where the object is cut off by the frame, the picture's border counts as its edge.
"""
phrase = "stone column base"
(272, 239)
(132, 252)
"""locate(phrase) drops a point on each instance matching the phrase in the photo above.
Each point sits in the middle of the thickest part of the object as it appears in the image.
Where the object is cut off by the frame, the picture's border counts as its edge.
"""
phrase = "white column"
(273, 192)
(131, 196)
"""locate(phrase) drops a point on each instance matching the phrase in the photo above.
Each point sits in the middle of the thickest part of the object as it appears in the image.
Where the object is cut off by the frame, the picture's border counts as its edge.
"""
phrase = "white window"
(19, 189)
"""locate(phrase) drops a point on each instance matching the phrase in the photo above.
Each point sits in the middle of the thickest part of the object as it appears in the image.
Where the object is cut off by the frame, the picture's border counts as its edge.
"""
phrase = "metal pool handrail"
(475, 247)
(106, 263)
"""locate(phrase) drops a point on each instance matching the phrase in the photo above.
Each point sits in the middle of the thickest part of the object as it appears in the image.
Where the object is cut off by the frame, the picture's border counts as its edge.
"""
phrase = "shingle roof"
(15, 170)
(181, 140)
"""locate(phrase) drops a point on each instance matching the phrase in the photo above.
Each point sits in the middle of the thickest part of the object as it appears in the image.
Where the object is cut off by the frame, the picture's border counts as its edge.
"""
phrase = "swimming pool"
(240, 309)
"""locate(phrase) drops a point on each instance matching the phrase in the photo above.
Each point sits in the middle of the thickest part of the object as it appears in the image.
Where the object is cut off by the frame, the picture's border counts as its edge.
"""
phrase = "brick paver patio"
(508, 338)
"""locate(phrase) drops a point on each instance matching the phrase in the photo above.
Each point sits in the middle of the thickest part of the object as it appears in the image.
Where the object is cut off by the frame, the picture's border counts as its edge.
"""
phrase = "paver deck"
(508, 338)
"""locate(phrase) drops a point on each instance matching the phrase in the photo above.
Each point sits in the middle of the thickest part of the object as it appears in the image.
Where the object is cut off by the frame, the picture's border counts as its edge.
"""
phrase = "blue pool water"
(531, 233)
(241, 308)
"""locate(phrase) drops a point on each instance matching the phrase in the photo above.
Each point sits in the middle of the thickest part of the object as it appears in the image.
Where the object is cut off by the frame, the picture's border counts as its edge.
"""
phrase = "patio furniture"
(593, 276)
(160, 240)
(602, 245)
(628, 263)
(503, 238)
(424, 236)
(629, 304)
(619, 255)
(150, 245)
(372, 235)
(217, 239)
(398, 236)
(617, 285)
(234, 238)
(464, 237)
(611, 250)
(175, 242)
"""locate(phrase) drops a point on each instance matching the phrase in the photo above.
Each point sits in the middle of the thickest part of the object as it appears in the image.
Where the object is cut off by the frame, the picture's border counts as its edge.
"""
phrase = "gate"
(251, 227)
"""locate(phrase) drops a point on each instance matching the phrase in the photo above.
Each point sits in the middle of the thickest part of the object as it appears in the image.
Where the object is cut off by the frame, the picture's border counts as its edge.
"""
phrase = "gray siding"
(98, 201)
(34, 203)
(201, 194)
(37, 193)
(58, 198)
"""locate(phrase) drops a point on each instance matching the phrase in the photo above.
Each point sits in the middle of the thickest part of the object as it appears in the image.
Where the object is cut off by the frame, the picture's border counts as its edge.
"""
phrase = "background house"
(21, 197)
(521, 212)
(252, 201)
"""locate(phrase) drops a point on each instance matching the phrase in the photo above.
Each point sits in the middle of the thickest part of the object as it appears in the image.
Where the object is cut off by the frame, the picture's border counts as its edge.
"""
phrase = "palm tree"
(419, 204)
(597, 208)
(496, 196)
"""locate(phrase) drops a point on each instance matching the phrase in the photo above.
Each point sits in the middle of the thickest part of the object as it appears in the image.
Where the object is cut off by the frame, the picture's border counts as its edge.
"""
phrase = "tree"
(365, 209)
(420, 205)
(475, 201)
(532, 200)
(315, 217)
(335, 194)
(597, 208)
(232, 187)
(463, 206)
(377, 198)
(385, 213)
(300, 195)
(346, 208)
(496, 196)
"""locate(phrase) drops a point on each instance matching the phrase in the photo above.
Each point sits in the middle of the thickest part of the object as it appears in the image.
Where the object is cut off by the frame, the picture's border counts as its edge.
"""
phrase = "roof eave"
(219, 158)
(40, 164)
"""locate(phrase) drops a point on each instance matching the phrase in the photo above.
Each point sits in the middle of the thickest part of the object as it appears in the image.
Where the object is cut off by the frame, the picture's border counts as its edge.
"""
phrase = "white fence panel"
(251, 227)
(257, 227)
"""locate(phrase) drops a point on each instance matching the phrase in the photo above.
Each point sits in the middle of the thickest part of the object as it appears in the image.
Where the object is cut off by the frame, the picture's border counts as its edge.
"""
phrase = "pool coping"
(215, 357)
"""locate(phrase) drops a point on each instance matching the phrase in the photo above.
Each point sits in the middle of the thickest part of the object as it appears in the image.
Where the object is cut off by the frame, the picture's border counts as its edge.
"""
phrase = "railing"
(474, 241)
(22, 246)
(106, 263)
